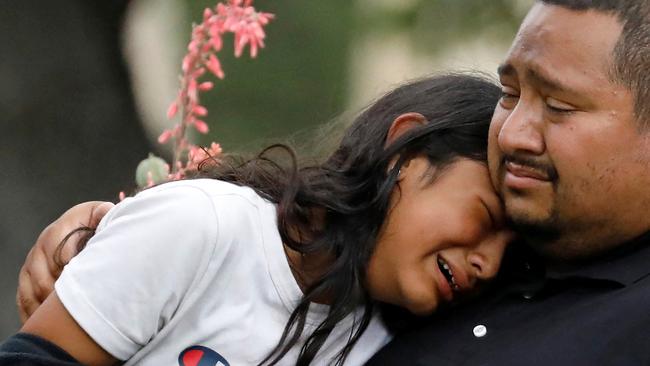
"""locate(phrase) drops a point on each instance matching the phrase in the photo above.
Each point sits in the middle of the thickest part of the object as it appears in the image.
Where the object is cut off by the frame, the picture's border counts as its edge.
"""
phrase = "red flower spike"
(247, 25)
(172, 110)
(207, 13)
(198, 73)
(215, 66)
(201, 126)
(200, 110)
(216, 43)
(192, 92)
(205, 86)
(164, 137)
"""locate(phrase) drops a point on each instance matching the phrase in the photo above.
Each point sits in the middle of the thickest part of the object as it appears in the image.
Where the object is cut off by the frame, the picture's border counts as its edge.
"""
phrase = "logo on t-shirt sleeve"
(201, 356)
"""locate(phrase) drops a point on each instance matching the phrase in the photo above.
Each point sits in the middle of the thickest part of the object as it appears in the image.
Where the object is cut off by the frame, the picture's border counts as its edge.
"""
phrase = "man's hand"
(45, 262)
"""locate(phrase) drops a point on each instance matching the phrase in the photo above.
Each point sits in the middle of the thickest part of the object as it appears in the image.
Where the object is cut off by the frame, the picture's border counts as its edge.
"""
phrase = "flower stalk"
(238, 17)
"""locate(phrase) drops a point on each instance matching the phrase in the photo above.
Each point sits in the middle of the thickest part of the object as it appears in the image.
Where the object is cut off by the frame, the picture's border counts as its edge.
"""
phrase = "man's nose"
(521, 132)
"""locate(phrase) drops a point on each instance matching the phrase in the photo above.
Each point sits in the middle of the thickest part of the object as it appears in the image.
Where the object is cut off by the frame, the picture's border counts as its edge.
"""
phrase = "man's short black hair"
(632, 52)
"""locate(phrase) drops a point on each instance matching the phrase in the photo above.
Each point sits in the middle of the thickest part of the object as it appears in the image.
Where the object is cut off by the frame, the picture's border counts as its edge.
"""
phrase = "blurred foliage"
(435, 24)
(441, 22)
(299, 80)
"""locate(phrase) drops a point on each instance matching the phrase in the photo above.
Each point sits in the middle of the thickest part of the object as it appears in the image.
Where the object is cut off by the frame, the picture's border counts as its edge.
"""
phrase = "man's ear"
(403, 124)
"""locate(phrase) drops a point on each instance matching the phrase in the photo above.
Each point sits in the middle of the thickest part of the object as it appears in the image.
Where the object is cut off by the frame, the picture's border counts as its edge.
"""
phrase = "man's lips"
(523, 171)
(520, 177)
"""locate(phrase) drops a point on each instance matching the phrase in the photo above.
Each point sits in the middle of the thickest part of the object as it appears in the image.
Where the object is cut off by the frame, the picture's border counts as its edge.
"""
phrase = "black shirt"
(594, 314)
(24, 349)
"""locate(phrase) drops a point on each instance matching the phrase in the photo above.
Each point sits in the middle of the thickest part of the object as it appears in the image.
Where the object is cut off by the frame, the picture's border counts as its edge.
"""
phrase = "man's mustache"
(532, 163)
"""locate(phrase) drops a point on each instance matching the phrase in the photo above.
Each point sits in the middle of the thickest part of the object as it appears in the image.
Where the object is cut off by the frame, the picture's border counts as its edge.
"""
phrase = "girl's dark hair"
(353, 188)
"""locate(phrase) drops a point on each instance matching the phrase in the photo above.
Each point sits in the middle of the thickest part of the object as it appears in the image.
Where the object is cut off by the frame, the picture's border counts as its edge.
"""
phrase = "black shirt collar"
(525, 271)
(625, 265)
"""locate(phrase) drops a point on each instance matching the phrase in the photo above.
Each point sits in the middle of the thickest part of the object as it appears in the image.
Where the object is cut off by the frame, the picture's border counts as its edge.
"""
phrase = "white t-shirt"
(194, 272)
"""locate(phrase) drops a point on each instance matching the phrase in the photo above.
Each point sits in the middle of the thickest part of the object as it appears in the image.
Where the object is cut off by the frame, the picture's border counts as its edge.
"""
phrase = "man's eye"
(556, 106)
(508, 99)
(558, 110)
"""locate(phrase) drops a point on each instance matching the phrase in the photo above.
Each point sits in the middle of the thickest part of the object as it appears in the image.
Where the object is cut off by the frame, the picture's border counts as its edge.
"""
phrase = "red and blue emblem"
(201, 356)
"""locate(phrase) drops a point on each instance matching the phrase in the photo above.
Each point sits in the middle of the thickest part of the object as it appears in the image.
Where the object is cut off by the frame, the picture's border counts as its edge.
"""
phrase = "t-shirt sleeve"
(135, 272)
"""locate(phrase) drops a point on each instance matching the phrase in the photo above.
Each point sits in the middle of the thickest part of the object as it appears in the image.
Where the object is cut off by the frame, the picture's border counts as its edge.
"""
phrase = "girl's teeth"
(444, 264)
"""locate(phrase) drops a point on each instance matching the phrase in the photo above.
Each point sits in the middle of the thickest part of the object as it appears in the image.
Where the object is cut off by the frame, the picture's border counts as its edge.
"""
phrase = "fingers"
(26, 305)
(35, 283)
(98, 212)
(25, 298)
(87, 214)
(46, 259)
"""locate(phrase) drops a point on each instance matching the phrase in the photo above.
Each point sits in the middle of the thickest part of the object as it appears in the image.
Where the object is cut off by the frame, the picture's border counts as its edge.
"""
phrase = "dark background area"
(68, 121)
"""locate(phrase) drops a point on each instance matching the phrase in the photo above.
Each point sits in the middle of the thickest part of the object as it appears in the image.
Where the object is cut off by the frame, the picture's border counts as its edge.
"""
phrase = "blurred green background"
(85, 86)
(327, 57)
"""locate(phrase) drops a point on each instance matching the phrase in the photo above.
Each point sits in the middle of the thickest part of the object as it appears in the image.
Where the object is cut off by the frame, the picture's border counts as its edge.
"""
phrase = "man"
(569, 152)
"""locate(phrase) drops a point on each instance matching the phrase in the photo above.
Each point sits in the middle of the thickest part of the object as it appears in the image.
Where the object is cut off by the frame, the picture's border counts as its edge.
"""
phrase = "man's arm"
(44, 262)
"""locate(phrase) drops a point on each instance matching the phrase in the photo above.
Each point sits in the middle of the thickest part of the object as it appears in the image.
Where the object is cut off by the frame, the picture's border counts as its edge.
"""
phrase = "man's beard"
(540, 235)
